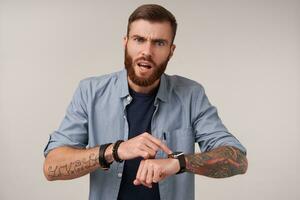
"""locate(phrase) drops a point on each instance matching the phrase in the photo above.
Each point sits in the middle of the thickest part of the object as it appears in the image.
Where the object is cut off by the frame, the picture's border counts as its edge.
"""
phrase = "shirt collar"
(162, 93)
(123, 83)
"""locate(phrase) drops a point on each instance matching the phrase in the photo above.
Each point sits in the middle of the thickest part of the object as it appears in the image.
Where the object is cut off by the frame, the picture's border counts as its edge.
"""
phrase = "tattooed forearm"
(67, 163)
(218, 163)
(72, 168)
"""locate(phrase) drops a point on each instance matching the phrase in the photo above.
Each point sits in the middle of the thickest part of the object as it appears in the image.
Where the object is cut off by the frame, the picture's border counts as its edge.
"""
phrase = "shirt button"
(119, 175)
(129, 98)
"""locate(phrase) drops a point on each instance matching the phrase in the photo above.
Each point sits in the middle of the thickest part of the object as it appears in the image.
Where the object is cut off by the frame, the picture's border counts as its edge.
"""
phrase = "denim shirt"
(183, 117)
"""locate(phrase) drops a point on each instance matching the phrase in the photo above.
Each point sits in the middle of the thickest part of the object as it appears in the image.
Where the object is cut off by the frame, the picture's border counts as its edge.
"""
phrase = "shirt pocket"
(182, 140)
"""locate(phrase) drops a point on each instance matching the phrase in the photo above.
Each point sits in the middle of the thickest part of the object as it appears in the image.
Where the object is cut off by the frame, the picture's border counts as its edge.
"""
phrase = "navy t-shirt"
(139, 115)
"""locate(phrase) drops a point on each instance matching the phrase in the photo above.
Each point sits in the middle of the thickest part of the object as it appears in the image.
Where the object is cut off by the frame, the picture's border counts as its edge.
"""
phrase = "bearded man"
(134, 130)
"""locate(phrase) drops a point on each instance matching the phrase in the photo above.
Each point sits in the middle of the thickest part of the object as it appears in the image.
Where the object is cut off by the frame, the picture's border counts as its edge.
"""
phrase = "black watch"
(181, 158)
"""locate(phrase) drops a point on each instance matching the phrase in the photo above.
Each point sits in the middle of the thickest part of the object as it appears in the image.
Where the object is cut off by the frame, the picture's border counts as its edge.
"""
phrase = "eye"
(138, 39)
(160, 43)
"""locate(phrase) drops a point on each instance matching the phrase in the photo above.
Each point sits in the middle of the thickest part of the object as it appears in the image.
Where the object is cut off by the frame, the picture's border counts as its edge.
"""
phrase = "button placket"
(126, 129)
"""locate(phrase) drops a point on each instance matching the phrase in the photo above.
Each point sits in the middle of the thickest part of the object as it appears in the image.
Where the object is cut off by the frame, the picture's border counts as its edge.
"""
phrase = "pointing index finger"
(160, 144)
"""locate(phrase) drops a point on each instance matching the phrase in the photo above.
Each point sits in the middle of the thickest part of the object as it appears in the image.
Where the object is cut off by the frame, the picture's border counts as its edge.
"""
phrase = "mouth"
(144, 66)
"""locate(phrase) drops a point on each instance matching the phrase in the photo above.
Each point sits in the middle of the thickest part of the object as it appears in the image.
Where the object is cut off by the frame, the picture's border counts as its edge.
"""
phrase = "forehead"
(157, 30)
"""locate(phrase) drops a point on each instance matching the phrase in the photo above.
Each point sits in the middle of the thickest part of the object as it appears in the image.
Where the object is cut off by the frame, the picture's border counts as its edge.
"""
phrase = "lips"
(146, 65)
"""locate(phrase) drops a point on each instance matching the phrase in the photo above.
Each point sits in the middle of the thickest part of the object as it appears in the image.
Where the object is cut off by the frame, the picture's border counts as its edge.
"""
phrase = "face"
(148, 48)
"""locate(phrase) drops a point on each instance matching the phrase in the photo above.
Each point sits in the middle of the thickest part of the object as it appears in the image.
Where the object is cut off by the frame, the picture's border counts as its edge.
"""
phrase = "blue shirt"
(183, 116)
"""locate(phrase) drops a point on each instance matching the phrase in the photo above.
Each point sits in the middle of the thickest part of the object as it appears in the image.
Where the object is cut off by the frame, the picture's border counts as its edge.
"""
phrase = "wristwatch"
(181, 158)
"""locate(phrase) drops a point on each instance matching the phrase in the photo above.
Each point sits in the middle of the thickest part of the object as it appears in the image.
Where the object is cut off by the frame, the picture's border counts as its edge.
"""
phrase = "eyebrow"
(152, 40)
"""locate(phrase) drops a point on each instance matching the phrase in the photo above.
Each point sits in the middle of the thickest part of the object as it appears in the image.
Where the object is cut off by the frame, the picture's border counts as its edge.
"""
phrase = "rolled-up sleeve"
(210, 132)
(73, 130)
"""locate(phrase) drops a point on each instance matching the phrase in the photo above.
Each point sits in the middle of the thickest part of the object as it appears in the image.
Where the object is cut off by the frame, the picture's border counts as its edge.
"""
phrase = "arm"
(221, 162)
(65, 163)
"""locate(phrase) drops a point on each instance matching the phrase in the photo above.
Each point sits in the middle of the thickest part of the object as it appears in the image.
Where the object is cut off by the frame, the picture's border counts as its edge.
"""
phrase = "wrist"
(175, 164)
(181, 161)
(104, 164)
(115, 153)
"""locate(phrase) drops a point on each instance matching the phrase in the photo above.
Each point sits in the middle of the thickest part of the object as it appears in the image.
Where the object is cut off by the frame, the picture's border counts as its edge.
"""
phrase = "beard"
(158, 70)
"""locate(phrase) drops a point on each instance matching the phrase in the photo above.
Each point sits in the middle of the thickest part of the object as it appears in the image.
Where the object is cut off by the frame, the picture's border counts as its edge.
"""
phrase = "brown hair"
(153, 13)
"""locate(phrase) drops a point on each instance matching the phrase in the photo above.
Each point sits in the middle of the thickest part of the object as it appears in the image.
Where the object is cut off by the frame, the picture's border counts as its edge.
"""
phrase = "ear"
(125, 40)
(172, 50)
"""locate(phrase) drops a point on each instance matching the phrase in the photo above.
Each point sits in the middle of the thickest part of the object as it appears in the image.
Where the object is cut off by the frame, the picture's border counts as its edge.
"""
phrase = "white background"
(245, 53)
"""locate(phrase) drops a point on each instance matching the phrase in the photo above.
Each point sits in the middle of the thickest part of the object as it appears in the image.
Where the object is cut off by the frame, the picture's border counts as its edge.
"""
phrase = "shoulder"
(96, 85)
(98, 81)
(180, 84)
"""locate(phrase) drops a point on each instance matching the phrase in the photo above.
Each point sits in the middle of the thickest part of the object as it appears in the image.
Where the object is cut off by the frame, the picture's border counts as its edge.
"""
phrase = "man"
(134, 130)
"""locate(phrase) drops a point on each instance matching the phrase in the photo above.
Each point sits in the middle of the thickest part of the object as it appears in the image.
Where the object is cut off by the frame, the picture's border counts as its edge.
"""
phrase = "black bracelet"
(103, 163)
(115, 151)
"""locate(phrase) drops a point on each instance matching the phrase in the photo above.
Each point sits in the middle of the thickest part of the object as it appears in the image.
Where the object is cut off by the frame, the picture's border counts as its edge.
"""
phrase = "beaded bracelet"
(103, 163)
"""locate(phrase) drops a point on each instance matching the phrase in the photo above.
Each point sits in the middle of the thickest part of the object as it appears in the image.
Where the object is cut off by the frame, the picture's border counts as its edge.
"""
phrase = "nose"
(147, 50)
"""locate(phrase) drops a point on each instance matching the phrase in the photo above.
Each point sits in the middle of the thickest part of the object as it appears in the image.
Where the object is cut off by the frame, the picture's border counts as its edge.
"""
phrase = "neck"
(141, 89)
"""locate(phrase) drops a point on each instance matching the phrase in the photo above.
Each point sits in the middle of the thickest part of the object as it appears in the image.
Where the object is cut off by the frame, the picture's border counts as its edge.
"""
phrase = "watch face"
(181, 158)
(175, 154)
(179, 153)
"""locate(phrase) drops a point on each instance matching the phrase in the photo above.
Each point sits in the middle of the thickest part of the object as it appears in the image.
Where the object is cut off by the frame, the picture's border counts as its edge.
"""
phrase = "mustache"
(143, 58)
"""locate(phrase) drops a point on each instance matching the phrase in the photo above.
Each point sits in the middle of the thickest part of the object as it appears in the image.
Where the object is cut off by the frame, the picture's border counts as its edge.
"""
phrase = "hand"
(154, 170)
(144, 145)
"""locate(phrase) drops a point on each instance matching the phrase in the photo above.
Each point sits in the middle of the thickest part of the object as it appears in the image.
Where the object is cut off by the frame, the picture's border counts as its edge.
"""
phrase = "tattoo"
(221, 162)
(77, 167)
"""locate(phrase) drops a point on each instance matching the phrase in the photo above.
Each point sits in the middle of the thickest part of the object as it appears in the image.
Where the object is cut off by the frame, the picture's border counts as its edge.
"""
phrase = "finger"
(143, 175)
(137, 180)
(156, 175)
(154, 147)
(147, 152)
(159, 143)
(159, 174)
(149, 176)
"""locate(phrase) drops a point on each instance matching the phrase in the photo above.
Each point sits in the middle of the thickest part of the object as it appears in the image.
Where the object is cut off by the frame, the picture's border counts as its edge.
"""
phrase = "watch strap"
(182, 163)
(181, 158)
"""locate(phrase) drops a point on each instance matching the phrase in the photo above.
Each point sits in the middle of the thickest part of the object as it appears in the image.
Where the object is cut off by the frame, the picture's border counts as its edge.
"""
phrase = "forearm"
(68, 163)
(218, 163)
